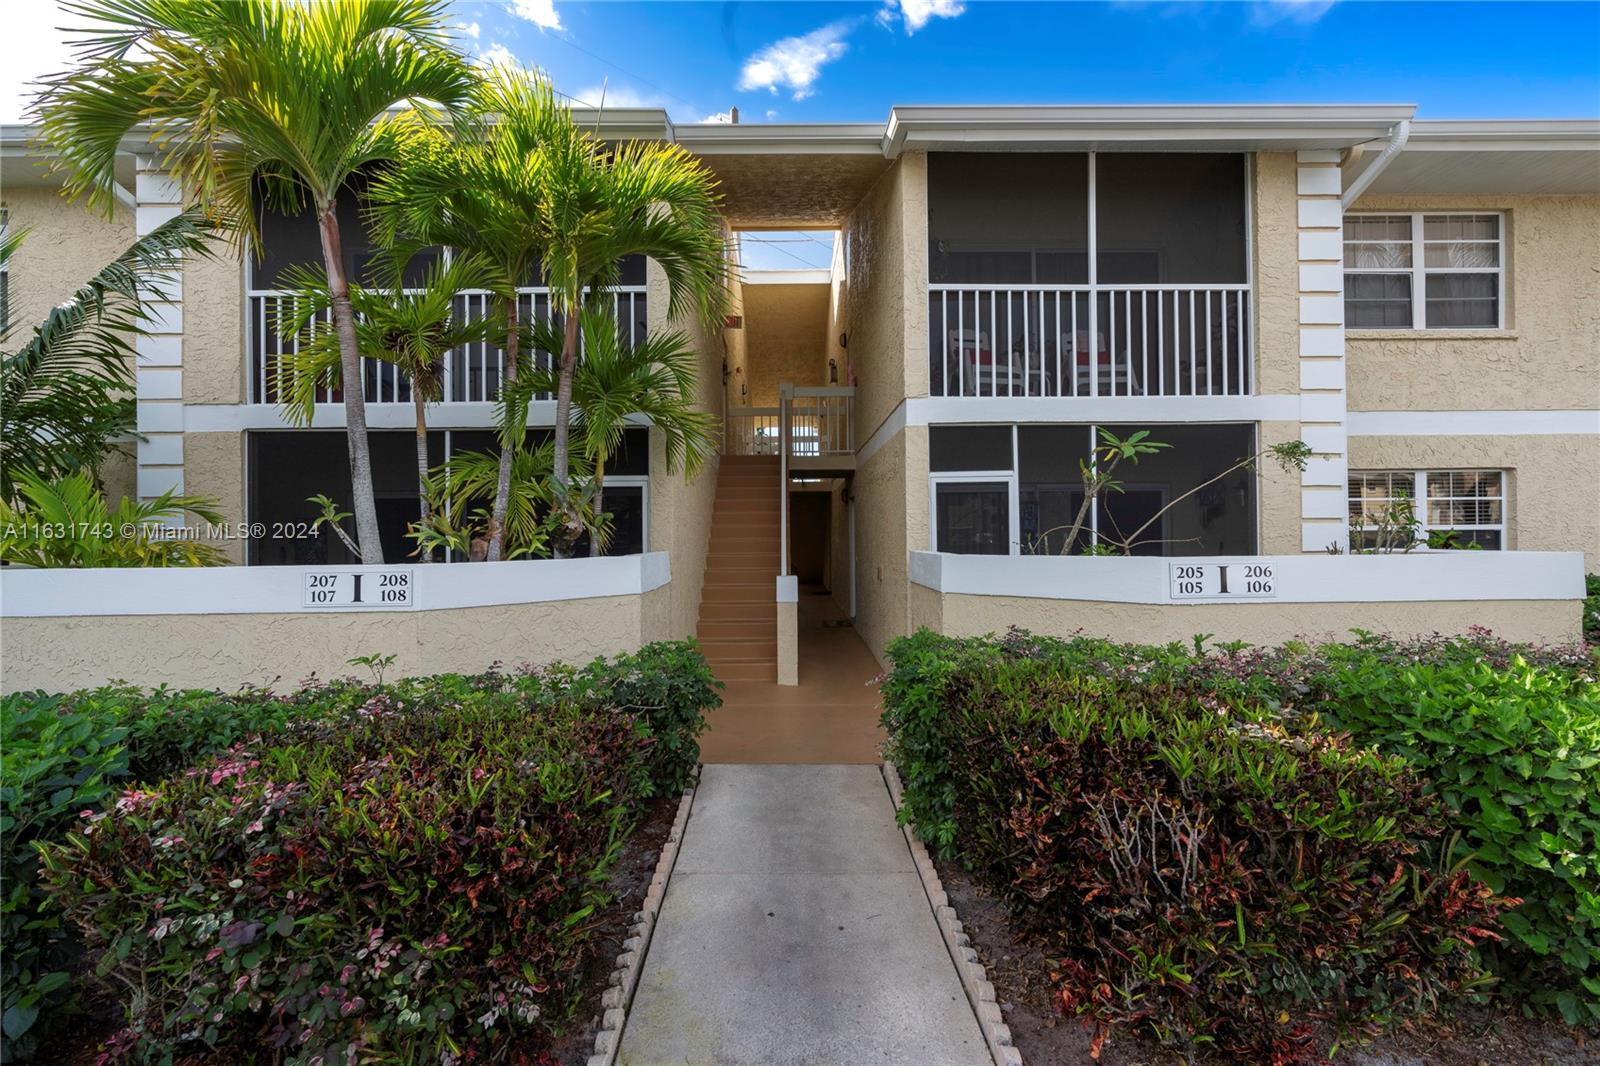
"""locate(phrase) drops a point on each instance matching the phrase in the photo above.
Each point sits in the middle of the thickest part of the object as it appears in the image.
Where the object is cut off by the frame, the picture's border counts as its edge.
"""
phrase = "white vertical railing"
(1089, 340)
(820, 421)
(751, 431)
(472, 373)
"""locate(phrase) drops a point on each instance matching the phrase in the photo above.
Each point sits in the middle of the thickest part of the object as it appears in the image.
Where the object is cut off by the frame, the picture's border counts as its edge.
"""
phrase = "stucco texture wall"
(1274, 208)
(1543, 621)
(884, 302)
(213, 466)
(891, 490)
(228, 650)
(1279, 494)
(785, 329)
(1553, 491)
(66, 246)
(213, 328)
(680, 507)
(1548, 358)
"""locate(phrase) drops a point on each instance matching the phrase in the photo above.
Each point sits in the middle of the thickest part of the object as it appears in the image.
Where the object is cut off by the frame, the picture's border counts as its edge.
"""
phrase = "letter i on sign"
(1222, 577)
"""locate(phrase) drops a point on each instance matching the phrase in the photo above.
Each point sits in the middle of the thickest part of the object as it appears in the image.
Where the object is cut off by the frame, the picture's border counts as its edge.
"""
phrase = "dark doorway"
(808, 536)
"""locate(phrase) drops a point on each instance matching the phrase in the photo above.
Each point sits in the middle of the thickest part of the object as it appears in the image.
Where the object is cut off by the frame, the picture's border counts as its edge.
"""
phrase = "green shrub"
(57, 762)
(1218, 873)
(1591, 608)
(1515, 754)
(670, 686)
(410, 881)
(115, 736)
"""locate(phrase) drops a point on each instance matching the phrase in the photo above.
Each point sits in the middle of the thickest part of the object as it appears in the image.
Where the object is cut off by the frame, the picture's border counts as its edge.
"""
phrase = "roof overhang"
(1135, 127)
(1530, 157)
(841, 138)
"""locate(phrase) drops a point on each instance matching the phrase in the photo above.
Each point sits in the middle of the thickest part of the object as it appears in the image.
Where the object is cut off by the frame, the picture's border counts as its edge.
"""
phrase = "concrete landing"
(795, 930)
(830, 717)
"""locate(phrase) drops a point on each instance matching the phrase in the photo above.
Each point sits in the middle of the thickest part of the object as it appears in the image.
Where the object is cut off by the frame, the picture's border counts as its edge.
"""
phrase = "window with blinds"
(1448, 508)
(1424, 271)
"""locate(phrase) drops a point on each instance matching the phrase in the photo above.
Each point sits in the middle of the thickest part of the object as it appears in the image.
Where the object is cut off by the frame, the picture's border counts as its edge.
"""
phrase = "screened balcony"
(1088, 274)
(472, 373)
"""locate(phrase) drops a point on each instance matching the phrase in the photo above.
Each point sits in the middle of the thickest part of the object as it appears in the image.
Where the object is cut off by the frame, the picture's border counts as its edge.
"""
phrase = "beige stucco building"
(1418, 302)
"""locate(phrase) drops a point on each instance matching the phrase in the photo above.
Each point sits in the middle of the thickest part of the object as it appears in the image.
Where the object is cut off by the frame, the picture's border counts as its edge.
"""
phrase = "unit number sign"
(391, 588)
(1222, 581)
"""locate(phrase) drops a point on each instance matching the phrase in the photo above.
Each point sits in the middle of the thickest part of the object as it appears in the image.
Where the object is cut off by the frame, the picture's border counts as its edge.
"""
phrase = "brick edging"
(625, 978)
(974, 981)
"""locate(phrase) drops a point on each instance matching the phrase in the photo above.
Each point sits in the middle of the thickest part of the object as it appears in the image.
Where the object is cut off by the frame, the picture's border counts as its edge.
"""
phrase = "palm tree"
(248, 97)
(654, 377)
(67, 392)
(578, 207)
(412, 328)
(475, 191)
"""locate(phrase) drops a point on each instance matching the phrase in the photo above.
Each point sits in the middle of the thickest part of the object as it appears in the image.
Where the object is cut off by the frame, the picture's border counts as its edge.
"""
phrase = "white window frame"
(1419, 501)
(635, 481)
(1419, 272)
(985, 477)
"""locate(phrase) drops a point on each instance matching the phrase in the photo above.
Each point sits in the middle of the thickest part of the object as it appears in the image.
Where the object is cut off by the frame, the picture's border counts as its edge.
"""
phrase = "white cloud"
(497, 55)
(617, 95)
(1301, 12)
(918, 13)
(469, 29)
(794, 62)
(542, 13)
(721, 117)
(30, 48)
(772, 114)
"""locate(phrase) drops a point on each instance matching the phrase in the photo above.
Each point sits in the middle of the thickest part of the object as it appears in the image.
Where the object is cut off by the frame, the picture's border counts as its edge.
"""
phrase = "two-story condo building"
(1419, 302)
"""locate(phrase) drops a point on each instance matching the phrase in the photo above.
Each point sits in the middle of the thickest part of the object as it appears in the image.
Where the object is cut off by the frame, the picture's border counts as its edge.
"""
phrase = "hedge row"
(1254, 851)
(400, 870)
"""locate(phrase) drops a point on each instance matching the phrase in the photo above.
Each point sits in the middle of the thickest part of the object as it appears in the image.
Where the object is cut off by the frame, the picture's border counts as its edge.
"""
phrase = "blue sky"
(844, 62)
(833, 62)
(801, 62)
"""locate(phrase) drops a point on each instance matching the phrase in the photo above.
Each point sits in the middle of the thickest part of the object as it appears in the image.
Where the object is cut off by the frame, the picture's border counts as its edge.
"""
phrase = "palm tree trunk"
(599, 498)
(562, 548)
(502, 485)
(422, 460)
(355, 404)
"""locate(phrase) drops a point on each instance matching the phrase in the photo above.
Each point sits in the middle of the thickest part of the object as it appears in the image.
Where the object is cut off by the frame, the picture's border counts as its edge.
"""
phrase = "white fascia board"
(1246, 125)
(1506, 135)
(768, 138)
(281, 589)
(786, 277)
(1310, 578)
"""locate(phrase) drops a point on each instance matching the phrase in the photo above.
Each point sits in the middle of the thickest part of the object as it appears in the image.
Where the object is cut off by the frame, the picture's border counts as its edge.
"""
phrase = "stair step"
(743, 560)
(719, 649)
(762, 671)
(716, 632)
(756, 520)
(738, 594)
(744, 613)
(743, 539)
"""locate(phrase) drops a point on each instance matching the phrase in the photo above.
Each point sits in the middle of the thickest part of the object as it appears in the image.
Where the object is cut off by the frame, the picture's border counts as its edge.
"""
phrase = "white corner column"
(1324, 517)
(159, 369)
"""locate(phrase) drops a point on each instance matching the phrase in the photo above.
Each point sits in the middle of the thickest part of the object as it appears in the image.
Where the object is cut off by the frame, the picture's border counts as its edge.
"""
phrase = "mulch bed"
(1045, 1037)
(629, 883)
(80, 1044)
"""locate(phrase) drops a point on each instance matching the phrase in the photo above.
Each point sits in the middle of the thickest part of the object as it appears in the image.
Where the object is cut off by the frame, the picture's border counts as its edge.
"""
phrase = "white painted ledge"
(281, 589)
(1418, 577)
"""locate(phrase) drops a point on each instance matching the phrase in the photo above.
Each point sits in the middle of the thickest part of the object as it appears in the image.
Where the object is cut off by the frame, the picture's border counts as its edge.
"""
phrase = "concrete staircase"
(738, 610)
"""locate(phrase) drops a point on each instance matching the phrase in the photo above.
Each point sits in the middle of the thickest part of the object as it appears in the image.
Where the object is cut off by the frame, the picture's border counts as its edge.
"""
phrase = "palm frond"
(66, 392)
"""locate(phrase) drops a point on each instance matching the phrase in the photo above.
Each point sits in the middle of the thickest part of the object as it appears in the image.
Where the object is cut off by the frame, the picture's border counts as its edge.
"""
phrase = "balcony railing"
(816, 422)
(1080, 340)
(472, 373)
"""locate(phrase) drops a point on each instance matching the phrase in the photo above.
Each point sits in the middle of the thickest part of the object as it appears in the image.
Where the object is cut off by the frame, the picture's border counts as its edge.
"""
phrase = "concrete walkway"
(795, 930)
